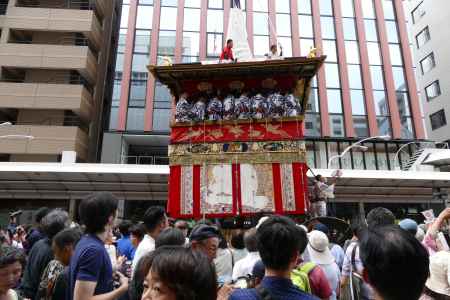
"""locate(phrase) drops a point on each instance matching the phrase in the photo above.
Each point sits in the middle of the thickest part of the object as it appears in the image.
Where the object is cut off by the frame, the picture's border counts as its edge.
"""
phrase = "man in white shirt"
(245, 266)
(155, 221)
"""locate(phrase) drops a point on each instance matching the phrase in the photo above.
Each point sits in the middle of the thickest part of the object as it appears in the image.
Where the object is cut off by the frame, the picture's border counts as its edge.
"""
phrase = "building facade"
(431, 49)
(55, 59)
(366, 88)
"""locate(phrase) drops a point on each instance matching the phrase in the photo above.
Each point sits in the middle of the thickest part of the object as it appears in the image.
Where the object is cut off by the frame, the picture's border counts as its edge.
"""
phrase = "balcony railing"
(67, 4)
(145, 160)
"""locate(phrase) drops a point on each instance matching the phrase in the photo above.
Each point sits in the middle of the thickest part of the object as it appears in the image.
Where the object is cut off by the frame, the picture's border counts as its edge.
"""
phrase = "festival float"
(236, 144)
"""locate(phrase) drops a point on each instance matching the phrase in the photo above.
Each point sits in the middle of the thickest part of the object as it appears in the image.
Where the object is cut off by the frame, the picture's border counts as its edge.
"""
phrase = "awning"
(386, 186)
(74, 181)
(57, 181)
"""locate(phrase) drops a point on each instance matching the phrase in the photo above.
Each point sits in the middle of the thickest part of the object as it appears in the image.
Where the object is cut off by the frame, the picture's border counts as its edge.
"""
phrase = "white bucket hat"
(439, 268)
(318, 248)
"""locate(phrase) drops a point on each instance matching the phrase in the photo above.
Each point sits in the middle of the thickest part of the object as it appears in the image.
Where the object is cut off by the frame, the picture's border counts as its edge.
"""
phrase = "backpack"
(300, 276)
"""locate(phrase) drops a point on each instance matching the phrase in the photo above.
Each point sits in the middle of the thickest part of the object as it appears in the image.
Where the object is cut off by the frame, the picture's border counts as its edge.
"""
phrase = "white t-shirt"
(245, 265)
(224, 265)
(146, 246)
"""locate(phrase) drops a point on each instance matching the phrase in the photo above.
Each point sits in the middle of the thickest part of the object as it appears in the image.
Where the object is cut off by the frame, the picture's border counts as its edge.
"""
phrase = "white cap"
(318, 248)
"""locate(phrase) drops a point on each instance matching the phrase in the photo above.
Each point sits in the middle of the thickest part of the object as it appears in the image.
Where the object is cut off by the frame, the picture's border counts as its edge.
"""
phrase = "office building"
(431, 50)
(366, 88)
(55, 76)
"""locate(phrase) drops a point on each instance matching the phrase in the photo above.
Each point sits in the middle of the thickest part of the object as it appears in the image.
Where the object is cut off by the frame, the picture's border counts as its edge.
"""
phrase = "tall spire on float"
(237, 31)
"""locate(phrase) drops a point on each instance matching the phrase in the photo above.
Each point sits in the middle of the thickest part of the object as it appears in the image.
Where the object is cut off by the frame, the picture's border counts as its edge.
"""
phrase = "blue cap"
(321, 227)
(409, 225)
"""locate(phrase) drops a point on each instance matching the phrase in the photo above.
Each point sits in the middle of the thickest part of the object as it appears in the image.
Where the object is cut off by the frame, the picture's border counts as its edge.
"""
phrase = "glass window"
(169, 3)
(334, 101)
(286, 43)
(260, 44)
(161, 120)
(347, 8)
(423, 37)
(260, 23)
(124, 17)
(403, 104)
(119, 62)
(313, 102)
(418, 12)
(215, 21)
(358, 103)
(428, 63)
(144, 18)
(376, 73)
(142, 2)
(162, 93)
(312, 124)
(193, 3)
(438, 119)
(392, 33)
(327, 26)
(142, 41)
(349, 29)
(214, 44)
(283, 25)
(371, 30)
(329, 49)
(433, 90)
(326, 7)
(368, 9)
(135, 119)
(140, 62)
(138, 91)
(337, 125)
(395, 54)
(191, 19)
(304, 6)
(305, 26)
(388, 9)
(407, 131)
(166, 43)
(114, 118)
(352, 52)
(189, 59)
(305, 46)
(332, 75)
(399, 78)
(215, 4)
(122, 40)
(381, 104)
(384, 126)
(191, 43)
(261, 5)
(168, 17)
(374, 53)
(360, 126)
(354, 76)
(283, 6)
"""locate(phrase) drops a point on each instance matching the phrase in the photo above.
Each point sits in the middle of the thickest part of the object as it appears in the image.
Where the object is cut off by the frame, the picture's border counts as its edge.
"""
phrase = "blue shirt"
(279, 288)
(91, 262)
(125, 248)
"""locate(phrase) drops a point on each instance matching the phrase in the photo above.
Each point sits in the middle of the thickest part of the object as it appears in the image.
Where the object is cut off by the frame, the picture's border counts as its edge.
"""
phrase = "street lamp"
(357, 145)
(396, 158)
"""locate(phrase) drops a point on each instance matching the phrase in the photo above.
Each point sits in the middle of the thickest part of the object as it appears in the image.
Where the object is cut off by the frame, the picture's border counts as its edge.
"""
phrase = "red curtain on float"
(225, 190)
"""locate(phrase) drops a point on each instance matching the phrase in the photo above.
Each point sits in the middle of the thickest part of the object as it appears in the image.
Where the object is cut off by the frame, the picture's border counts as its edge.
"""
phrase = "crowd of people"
(277, 259)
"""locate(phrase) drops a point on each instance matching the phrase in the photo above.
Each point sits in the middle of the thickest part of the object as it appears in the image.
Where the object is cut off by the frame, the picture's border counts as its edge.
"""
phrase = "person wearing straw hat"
(320, 254)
